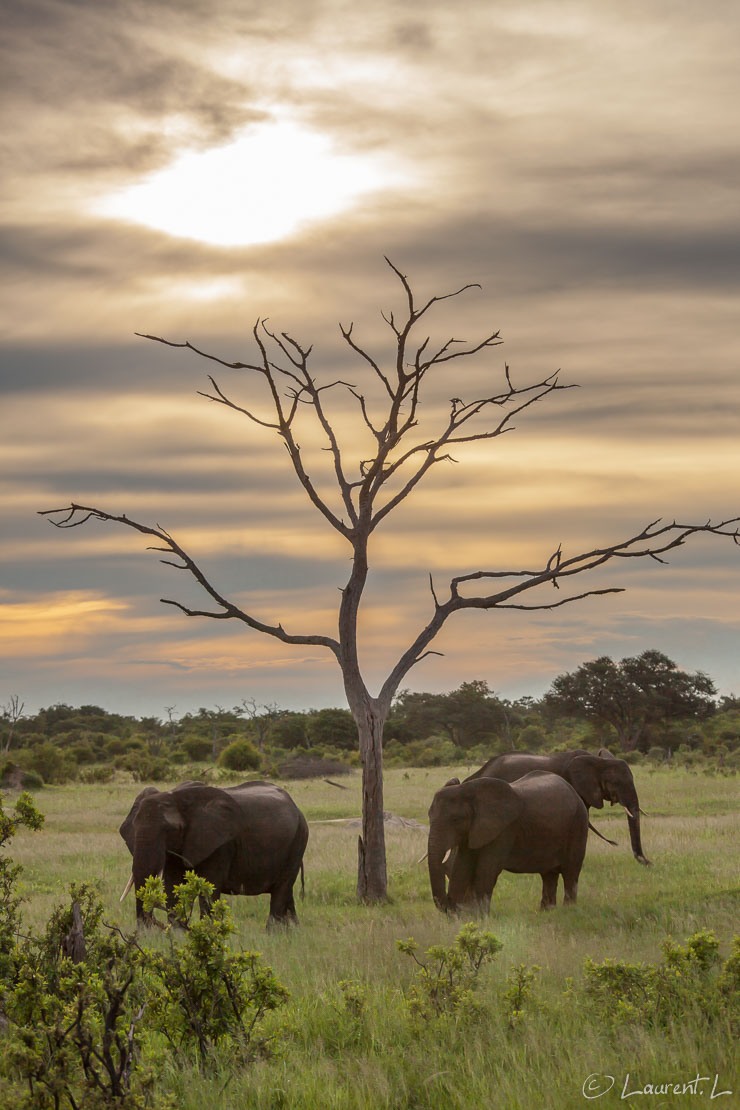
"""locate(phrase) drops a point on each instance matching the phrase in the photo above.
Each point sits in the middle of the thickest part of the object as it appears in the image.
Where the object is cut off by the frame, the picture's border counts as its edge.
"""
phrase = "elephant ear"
(128, 828)
(210, 825)
(583, 776)
(495, 806)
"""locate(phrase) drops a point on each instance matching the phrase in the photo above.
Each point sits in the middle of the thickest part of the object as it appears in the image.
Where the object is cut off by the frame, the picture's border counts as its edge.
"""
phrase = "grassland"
(328, 1058)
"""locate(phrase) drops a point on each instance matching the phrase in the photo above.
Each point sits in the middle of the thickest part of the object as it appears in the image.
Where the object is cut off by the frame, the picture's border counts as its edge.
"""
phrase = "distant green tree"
(466, 716)
(332, 728)
(632, 695)
(289, 731)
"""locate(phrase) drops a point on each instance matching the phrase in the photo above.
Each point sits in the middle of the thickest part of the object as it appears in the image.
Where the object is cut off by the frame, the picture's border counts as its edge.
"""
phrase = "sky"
(184, 169)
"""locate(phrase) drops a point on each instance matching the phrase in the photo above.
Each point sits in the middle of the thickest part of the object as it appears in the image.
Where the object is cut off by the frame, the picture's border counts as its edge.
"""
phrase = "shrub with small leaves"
(448, 974)
(518, 991)
(658, 995)
(26, 814)
(240, 755)
(202, 994)
(74, 1024)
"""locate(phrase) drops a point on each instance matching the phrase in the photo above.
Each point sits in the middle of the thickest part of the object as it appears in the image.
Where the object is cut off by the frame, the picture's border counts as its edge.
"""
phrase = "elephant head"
(599, 778)
(190, 822)
(466, 815)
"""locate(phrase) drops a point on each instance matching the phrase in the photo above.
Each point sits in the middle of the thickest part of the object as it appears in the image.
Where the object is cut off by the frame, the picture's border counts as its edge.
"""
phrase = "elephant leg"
(570, 882)
(282, 903)
(483, 887)
(282, 912)
(549, 889)
(571, 889)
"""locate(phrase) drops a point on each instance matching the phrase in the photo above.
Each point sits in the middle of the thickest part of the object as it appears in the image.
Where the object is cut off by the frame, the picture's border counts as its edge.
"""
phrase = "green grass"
(325, 1059)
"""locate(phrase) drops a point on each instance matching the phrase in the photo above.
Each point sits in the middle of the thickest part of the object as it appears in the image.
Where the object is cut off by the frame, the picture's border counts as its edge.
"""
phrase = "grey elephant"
(246, 839)
(536, 825)
(595, 778)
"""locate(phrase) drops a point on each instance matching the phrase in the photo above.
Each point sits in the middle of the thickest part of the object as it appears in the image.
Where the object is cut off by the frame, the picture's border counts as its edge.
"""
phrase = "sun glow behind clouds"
(261, 187)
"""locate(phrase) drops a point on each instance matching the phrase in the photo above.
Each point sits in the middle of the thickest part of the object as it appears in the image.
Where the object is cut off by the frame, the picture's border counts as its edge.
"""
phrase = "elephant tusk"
(129, 884)
(644, 814)
(629, 813)
(422, 858)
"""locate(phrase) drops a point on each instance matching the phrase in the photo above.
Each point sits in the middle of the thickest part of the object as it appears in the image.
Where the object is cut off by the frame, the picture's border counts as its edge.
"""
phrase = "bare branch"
(565, 600)
(222, 399)
(227, 609)
(203, 354)
(653, 538)
(347, 336)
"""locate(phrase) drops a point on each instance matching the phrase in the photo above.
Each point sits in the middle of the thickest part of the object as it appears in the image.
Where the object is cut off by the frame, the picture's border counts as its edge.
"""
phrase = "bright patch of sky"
(272, 179)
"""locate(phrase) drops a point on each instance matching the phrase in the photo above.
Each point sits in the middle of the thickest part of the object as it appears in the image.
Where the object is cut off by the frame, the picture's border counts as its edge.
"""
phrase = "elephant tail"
(606, 838)
(303, 885)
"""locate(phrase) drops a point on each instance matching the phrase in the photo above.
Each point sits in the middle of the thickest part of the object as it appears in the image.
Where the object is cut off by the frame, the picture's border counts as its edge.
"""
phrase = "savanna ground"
(330, 1052)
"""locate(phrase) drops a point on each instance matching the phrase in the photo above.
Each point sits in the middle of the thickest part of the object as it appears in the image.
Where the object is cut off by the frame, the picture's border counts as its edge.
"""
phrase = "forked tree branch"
(654, 540)
(72, 516)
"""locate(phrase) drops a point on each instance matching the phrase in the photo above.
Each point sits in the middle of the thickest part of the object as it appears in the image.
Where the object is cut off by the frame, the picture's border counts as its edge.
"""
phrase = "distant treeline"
(642, 707)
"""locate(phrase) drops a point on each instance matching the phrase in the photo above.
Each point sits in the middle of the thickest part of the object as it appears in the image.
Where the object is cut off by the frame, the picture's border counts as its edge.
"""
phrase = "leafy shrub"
(84, 1004)
(100, 773)
(49, 761)
(517, 992)
(14, 777)
(24, 813)
(240, 755)
(74, 1023)
(82, 753)
(197, 747)
(435, 751)
(149, 768)
(202, 995)
(658, 995)
(449, 974)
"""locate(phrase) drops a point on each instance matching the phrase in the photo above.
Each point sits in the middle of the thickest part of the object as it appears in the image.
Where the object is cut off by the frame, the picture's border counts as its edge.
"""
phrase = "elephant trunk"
(437, 879)
(632, 805)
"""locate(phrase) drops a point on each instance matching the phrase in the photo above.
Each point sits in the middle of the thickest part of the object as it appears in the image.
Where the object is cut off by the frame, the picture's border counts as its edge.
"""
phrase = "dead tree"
(369, 490)
(13, 712)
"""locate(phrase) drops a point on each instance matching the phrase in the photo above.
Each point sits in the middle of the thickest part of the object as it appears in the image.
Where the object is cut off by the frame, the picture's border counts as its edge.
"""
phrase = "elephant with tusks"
(246, 839)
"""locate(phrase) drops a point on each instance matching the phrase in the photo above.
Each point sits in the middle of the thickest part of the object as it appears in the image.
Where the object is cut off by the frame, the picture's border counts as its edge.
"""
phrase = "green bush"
(150, 768)
(689, 980)
(196, 747)
(448, 974)
(15, 777)
(48, 761)
(99, 773)
(90, 1017)
(202, 995)
(240, 755)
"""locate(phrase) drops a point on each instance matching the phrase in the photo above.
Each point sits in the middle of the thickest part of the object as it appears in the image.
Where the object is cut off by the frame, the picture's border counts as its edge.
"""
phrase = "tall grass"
(326, 1057)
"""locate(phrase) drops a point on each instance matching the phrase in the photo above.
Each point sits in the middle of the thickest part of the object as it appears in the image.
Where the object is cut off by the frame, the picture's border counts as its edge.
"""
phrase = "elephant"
(593, 777)
(536, 825)
(246, 839)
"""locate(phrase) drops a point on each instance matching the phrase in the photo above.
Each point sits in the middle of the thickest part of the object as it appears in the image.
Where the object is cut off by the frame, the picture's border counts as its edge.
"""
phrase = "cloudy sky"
(181, 169)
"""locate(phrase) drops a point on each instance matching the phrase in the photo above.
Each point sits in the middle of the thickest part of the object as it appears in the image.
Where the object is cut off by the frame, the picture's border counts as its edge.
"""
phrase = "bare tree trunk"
(372, 879)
